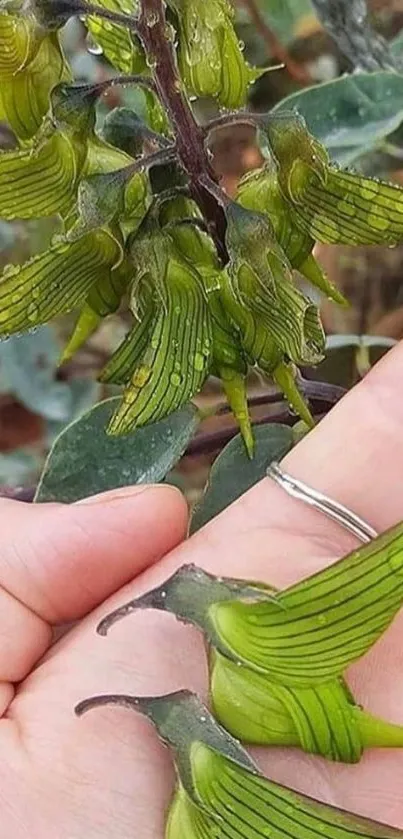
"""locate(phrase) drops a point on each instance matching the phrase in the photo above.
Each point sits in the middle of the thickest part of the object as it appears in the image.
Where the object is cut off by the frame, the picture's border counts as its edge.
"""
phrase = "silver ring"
(332, 509)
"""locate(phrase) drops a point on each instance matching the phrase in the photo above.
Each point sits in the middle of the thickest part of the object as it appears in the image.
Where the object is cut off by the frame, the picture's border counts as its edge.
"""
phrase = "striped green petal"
(176, 362)
(322, 719)
(103, 299)
(300, 158)
(221, 794)
(20, 39)
(116, 42)
(40, 181)
(24, 97)
(326, 622)
(255, 339)
(55, 281)
(260, 191)
(352, 210)
(129, 354)
(318, 719)
(235, 388)
(245, 805)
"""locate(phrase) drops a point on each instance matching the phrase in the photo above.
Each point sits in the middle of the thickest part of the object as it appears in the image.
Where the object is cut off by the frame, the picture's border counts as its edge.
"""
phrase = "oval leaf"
(85, 460)
(233, 473)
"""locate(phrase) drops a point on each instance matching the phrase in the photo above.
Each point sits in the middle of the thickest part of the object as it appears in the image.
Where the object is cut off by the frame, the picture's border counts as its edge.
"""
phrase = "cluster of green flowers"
(276, 663)
(193, 313)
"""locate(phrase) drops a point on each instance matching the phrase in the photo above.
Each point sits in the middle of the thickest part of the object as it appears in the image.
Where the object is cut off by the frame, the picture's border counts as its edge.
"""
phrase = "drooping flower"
(292, 647)
(220, 792)
(331, 205)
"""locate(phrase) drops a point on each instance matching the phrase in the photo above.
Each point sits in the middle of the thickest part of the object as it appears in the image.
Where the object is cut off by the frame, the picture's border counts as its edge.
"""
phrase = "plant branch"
(232, 118)
(274, 46)
(153, 31)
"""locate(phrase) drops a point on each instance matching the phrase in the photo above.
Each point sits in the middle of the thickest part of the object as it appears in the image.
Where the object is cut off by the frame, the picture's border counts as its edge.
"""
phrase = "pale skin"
(106, 775)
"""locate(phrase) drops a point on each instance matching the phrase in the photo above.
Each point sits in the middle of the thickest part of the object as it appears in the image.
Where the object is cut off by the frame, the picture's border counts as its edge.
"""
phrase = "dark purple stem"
(152, 29)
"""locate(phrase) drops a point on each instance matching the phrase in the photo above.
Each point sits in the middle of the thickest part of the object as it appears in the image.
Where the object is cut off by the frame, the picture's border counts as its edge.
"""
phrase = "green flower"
(57, 280)
(262, 283)
(31, 64)
(220, 793)
(211, 62)
(331, 205)
(228, 359)
(292, 647)
(175, 338)
(260, 191)
(323, 719)
(117, 43)
(43, 178)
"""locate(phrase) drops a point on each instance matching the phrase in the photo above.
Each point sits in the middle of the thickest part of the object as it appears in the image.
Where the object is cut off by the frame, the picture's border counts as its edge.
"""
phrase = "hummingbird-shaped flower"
(32, 63)
(43, 178)
(292, 647)
(329, 204)
(220, 792)
(177, 339)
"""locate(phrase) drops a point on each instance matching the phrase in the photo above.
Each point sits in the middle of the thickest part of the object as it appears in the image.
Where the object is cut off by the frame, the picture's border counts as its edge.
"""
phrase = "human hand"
(106, 774)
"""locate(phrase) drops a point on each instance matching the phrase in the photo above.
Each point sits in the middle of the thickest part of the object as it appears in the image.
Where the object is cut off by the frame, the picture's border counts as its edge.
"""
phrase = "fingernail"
(120, 493)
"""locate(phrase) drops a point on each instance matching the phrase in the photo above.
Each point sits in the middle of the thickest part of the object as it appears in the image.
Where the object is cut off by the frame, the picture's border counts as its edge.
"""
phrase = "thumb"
(62, 560)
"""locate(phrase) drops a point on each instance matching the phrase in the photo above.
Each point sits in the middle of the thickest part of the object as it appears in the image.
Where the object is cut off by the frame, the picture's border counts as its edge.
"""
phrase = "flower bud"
(211, 62)
(119, 45)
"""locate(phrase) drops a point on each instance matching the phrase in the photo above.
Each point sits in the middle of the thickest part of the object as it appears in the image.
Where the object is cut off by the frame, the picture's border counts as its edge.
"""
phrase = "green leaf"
(287, 16)
(233, 473)
(351, 114)
(55, 281)
(85, 460)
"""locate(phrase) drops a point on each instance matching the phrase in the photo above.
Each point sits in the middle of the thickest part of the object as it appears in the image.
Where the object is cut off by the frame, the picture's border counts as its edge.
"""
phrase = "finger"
(61, 560)
(355, 455)
(58, 561)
